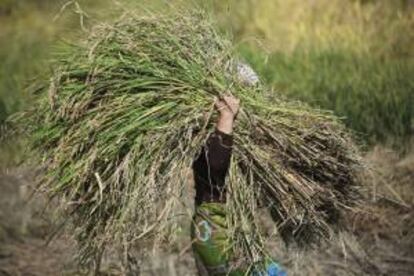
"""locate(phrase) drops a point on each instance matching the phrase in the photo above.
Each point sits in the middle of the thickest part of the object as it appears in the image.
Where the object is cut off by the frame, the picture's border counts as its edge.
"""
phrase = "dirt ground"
(380, 240)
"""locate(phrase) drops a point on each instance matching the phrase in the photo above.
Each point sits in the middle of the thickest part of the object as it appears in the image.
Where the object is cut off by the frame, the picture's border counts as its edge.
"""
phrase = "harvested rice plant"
(127, 111)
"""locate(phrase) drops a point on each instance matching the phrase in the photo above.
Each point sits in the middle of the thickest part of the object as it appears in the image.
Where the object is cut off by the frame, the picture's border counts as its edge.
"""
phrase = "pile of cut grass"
(128, 110)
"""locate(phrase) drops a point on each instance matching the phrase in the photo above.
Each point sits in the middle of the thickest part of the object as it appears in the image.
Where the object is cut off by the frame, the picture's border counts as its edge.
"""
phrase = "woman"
(210, 243)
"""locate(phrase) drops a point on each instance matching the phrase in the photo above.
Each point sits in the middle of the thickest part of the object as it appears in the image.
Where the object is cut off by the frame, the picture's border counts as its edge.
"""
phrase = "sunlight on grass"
(351, 57)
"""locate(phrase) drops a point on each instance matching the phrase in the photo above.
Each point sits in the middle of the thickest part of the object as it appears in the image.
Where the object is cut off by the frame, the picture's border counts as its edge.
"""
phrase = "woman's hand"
(228, 107)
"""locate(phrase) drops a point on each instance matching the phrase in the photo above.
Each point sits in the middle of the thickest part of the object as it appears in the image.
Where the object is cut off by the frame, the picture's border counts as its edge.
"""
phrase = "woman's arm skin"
(211, 167)
(228, 107)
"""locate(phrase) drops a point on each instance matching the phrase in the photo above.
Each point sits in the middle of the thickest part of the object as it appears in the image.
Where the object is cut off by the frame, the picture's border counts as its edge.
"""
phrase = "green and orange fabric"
(213, 248)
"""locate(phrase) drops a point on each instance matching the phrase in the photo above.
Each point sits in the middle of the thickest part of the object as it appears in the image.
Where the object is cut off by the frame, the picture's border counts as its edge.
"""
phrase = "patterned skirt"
(212, 247)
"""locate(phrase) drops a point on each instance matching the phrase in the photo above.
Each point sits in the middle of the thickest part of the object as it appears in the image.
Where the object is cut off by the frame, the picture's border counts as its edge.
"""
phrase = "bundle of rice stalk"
(129, 108)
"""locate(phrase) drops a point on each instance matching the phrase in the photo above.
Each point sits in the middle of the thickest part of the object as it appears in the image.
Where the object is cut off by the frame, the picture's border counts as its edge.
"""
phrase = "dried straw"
(128, 110)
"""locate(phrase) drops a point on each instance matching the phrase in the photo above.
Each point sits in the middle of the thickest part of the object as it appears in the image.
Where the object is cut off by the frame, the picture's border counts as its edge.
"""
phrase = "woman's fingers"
(233, 103)
(227, 103)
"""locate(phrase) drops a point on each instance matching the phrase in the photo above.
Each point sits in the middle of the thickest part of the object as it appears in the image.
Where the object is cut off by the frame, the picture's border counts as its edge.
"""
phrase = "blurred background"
(354, 57)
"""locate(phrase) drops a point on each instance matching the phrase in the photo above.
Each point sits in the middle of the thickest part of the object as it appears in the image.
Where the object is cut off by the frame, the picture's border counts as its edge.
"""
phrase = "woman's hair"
(245, 74)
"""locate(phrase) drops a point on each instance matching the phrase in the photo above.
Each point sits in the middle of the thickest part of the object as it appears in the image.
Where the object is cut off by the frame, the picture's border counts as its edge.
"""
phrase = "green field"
(353, 57)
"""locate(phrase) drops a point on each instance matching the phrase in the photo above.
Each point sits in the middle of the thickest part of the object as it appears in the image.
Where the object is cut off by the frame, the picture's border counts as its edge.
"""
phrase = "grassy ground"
(380, 240)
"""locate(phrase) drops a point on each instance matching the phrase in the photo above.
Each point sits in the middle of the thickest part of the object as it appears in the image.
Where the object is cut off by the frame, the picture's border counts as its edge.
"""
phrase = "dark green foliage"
(374, 95)
(3, 113)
